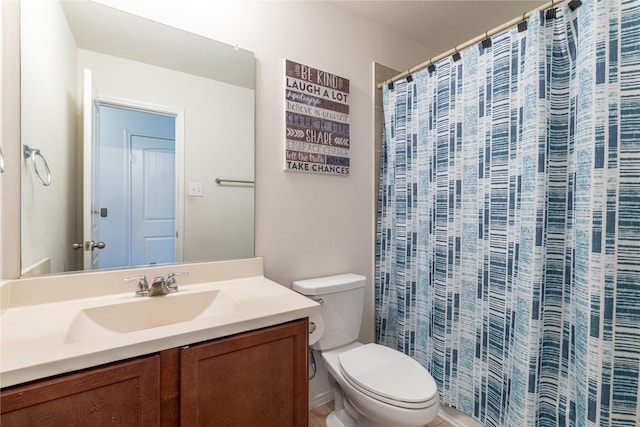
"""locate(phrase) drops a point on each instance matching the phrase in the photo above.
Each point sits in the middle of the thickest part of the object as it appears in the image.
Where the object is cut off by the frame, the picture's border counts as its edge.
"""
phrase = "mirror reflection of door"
(153, 219)
(137, 187)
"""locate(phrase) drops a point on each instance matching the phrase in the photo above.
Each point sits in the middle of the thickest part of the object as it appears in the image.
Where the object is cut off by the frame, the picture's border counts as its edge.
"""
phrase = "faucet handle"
(143, 286)
(172, 286)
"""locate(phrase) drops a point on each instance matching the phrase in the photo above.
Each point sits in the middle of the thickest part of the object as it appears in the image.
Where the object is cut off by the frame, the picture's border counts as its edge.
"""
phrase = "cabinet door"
(122, 394)
(253, 379)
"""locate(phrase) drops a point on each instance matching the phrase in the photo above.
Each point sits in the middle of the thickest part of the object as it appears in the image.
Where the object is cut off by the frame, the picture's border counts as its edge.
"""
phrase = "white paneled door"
(153, 214)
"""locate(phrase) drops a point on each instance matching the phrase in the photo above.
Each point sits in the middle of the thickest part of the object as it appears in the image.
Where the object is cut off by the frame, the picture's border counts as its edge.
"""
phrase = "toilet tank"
(342, 299)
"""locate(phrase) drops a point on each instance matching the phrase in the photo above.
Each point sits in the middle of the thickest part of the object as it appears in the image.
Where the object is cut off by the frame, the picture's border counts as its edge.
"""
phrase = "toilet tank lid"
(329, 284)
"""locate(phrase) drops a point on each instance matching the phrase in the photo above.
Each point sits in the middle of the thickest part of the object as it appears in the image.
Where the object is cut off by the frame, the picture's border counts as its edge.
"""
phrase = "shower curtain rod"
(511, 23)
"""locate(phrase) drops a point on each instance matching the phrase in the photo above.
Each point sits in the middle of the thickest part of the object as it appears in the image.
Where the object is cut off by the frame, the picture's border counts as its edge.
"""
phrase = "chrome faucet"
(159, 286)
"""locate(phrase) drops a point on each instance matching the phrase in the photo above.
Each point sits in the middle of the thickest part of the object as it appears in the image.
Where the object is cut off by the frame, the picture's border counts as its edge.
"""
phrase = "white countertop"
(35, 340)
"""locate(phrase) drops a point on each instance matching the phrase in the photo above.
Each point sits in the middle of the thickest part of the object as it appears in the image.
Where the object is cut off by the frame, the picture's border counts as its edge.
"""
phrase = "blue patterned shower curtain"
(508, 242)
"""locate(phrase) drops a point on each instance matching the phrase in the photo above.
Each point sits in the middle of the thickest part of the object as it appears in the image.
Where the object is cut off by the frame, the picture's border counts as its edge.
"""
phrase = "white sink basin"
(148, 312)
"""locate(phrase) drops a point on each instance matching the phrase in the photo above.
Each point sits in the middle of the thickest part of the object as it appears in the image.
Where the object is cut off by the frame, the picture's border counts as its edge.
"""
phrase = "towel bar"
(233, 181)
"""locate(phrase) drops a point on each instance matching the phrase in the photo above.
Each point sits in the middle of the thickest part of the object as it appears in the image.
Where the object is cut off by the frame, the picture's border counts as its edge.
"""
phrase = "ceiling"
(92, 25)
(439, 25)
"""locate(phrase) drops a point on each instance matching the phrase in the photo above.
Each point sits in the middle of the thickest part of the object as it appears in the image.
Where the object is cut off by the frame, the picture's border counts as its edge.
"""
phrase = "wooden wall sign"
(317, 121)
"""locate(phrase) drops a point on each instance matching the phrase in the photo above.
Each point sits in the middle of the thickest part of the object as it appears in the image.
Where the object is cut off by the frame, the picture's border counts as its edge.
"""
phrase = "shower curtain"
(508, 240)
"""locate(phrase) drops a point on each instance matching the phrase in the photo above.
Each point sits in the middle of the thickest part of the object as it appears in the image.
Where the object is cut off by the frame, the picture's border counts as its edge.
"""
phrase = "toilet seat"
(388, 376)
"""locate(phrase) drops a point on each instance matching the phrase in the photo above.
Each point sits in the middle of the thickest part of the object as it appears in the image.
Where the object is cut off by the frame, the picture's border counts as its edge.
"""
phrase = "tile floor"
(318, 415)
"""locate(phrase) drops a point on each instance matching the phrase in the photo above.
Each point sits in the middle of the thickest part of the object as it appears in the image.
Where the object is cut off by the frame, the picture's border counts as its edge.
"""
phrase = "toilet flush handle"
(312, 325)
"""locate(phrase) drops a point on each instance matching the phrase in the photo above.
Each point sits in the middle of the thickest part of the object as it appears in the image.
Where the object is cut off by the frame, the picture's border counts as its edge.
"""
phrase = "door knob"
(88, 246)
(99, 245)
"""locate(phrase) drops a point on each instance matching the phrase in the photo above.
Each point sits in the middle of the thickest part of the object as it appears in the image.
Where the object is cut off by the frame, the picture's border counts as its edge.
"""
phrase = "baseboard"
(457, 418)
(321, 399)
(39, 267)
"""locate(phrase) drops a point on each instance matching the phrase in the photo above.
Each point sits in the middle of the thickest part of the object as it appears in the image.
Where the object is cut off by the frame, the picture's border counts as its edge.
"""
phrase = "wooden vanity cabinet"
(257, 378)
(254, 379)
(122, 394)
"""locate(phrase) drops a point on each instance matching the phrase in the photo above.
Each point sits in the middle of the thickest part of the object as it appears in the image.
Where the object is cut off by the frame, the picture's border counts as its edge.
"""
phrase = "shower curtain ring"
(456, 54)
(486, 42)
(522, 25)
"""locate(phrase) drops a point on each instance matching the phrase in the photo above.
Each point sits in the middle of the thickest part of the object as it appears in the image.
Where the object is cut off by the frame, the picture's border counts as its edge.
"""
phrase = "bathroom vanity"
(244, 365)
(254, 378)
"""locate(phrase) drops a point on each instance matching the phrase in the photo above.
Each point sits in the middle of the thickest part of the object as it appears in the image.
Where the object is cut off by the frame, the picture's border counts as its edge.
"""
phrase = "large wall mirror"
(138, 141)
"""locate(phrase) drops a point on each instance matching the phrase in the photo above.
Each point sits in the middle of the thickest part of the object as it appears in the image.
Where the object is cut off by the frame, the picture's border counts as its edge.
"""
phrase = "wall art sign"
(316, 121)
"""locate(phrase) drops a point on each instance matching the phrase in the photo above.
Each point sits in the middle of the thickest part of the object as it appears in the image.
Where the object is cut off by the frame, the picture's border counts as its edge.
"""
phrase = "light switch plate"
(196, 189)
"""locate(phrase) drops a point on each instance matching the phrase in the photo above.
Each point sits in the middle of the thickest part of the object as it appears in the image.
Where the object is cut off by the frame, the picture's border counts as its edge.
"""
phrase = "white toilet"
(373, 385)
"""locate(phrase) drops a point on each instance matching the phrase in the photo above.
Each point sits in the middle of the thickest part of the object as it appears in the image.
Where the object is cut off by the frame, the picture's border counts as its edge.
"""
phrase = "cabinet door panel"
(253, 379)
(123, 394)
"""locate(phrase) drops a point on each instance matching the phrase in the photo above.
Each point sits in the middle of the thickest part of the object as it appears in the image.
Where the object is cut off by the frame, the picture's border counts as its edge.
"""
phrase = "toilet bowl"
(384, 386)
(373, 385)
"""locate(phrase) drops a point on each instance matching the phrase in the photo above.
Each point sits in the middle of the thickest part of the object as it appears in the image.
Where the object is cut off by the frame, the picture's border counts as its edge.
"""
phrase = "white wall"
(10, 141)
(2, 38)
(48, 93)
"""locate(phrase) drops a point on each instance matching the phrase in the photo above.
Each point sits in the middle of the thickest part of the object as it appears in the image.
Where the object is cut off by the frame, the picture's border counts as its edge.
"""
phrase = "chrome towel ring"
(1, 161)
(35, 153)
